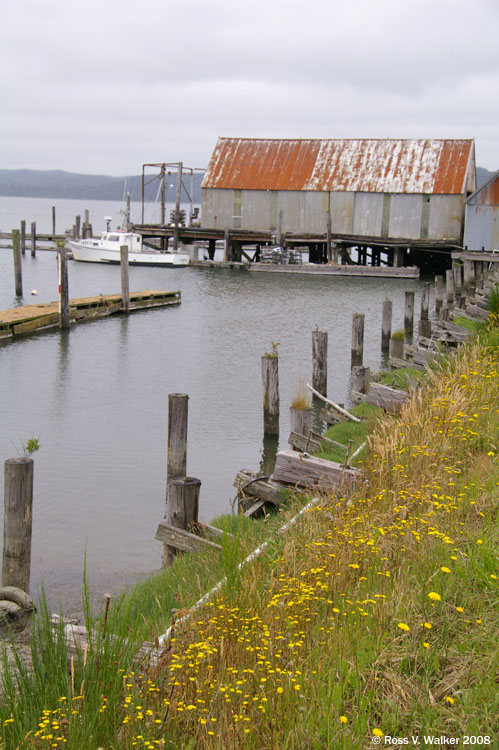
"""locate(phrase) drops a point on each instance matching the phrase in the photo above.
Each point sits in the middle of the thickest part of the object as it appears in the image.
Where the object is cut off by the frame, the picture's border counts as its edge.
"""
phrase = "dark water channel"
(97, 399)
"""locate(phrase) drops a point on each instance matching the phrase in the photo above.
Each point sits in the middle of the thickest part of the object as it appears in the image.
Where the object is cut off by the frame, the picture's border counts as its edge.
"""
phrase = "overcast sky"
(102, 86)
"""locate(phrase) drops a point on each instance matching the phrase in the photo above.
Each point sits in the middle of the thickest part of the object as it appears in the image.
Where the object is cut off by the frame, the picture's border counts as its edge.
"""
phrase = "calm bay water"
(96, 397)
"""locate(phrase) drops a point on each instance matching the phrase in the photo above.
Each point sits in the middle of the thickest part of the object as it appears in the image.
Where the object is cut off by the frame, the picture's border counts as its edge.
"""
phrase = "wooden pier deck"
(19, 321)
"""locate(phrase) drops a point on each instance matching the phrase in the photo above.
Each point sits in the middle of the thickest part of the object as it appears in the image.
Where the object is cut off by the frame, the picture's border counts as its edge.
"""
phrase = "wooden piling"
(226, 245)
(328, 237)
(182, 507)
(361, 379)
(469, 278)
(33, 239)
(396, 347)
(449, 281)
(178, 406)
(23, 236)
(458, 284)
(18, 271)
(270, 382)
(177, 206)
(424, 322)
(357, 339)
(125, 286)
(279, 228)
(386, 325)
(439, 293)
(78, 226)
(18, 510)
(409, 313)
(300, 420)
(319, 361)
(53, 221)
(64, 315)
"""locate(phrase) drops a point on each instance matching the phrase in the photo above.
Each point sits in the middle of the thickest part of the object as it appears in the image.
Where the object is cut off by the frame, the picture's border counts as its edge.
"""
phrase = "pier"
(27, 319)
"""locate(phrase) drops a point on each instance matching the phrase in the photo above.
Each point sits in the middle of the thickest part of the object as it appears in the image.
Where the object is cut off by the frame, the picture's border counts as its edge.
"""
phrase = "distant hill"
(33, 183)
(482, 175)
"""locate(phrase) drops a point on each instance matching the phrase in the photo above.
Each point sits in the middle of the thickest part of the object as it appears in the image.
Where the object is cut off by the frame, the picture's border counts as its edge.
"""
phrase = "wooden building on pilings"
(395, 201)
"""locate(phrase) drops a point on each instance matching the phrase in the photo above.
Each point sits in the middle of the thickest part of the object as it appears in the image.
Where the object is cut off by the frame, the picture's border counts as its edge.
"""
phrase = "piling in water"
(270, 383)
(18, 511)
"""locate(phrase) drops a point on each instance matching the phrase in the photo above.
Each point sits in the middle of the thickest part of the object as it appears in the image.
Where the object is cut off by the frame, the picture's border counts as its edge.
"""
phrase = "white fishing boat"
(106, 249)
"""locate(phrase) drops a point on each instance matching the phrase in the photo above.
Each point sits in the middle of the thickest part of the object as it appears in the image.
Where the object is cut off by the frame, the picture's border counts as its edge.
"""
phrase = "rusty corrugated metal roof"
(352, 165)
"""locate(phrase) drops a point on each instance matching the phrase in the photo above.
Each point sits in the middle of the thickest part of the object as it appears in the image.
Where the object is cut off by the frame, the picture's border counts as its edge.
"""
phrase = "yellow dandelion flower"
(493, 576)
(426, 644)
(449, 700)
(343, 719)
(280, 690)
(403, 626)
(479, 541)
(377, 732)
(460, 609)
(434, 596)
(444, 569)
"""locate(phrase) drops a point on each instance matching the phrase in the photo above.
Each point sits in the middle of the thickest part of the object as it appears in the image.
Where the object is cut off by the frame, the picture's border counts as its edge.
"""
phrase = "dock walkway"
(19, 321)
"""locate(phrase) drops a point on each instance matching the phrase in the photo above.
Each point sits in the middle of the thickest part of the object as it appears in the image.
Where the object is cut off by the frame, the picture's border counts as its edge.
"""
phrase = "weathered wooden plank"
(314, 443)
(386, 397)
(253, 509)
(182, 540)
(302, 470)
(263, 488)
(477, 312)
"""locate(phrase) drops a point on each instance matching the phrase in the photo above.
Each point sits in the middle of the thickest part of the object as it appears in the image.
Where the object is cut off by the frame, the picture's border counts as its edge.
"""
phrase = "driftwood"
(336, 407)
(302, 470)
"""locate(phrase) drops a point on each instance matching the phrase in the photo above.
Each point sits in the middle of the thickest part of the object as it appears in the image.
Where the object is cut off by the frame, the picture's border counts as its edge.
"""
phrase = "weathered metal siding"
(255, 210)
(367, 214)
(446, 217)
(341, 207)
(482, 217)
(217, 208)
(405, 216)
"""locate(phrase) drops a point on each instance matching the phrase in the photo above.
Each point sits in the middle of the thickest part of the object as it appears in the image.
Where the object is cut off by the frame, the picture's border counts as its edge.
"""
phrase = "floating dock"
(19, 321)
(405, 272)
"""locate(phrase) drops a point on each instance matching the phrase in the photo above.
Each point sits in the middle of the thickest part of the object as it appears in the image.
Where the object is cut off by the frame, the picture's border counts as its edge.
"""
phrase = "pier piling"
(18, 273)
(270, 382)
(357, 339)
(33, 239)
(424, 322)
(319, 361)
(23, 236)
(409, 313)
(386, 325)
(125, 286)
(17, 524)
(182, 507)
(64, 314)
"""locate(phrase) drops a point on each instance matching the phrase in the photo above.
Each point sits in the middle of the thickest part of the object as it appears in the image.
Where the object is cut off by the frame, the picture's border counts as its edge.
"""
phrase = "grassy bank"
(374, 614)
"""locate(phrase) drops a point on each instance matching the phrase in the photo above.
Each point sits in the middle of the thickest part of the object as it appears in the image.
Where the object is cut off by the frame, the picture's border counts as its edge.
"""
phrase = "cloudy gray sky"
(103, 86)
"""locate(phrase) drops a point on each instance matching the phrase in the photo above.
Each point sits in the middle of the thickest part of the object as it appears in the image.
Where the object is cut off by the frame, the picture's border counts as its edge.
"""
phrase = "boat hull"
(112, 257)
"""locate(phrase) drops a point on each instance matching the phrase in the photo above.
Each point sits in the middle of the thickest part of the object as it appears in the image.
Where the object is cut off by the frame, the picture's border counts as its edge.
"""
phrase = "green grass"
(351, 433)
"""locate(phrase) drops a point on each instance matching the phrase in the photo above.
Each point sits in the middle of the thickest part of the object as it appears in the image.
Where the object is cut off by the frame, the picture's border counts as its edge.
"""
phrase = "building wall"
(482, 218)
(413, 216)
